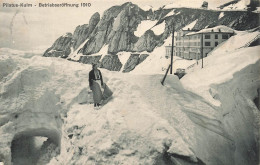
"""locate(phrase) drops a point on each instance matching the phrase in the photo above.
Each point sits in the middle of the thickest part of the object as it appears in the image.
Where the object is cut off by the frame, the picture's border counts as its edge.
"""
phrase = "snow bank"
(143, 27)
(219, 68)
(235, 42)
(144, 122)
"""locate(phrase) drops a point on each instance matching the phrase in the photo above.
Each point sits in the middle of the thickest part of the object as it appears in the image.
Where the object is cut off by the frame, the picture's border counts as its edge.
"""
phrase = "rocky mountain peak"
(118, 25)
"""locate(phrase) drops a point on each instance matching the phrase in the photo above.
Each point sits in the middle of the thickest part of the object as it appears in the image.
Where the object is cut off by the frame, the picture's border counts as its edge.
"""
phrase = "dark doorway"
(31, 150)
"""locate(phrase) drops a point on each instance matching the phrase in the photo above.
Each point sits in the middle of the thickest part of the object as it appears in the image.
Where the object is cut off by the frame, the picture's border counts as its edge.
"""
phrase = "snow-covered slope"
(224, 61)
(144, 122)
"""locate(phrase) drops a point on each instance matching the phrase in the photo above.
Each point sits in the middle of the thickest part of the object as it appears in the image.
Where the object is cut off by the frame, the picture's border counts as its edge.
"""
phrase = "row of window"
(206, 36)
(195, 44)
(224, 36)
(209, 44)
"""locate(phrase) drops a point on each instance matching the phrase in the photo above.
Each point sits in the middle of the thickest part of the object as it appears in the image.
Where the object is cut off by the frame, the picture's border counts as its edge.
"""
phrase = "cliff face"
(133, 61)
(117, 27)
(61, 47)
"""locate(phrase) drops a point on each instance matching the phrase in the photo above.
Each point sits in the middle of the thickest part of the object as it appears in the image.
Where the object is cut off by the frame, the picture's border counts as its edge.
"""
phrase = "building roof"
(221, 28)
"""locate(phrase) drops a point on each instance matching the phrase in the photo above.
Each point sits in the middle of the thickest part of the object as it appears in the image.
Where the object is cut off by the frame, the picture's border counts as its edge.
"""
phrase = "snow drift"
(214, 122)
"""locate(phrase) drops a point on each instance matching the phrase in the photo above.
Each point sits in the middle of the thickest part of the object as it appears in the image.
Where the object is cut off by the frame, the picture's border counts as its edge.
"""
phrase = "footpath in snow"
(144, 122)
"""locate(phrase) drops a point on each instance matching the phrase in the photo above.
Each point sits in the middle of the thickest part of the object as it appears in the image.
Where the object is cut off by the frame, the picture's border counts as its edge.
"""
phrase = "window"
(207, 43)
(207, 36)
(216, 36)
(224, 36)
(216, 43)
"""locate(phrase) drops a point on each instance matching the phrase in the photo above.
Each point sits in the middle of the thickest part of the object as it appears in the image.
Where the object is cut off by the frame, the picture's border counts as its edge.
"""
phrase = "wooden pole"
(202, 50)
(162, 82)
(172, 47)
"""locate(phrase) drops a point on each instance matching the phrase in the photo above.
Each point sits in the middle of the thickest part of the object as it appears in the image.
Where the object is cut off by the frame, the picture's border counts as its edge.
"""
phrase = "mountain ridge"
(118, 24)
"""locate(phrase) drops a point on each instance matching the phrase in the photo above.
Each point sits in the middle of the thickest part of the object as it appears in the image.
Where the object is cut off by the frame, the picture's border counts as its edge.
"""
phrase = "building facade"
(193, 44)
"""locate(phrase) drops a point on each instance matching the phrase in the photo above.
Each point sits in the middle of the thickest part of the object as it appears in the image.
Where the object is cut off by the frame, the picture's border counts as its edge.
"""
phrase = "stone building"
(190, 44)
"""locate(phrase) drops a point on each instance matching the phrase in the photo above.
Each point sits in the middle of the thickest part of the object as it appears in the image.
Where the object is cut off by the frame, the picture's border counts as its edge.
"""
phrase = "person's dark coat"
(92, 77)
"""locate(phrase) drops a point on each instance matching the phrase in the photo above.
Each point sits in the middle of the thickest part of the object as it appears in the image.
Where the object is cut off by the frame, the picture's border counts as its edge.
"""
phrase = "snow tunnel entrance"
(29, 149)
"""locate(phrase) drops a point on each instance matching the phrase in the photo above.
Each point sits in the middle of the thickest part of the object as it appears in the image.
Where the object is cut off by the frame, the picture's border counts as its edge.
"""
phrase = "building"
(178, 42)
(193, 44)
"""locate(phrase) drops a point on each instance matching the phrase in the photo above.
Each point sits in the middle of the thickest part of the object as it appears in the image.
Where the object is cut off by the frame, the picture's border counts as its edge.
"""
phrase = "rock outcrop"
(111, 62)
(117, 26)
(60, 48)
(89, 59)
(83, 32)
(133, 61)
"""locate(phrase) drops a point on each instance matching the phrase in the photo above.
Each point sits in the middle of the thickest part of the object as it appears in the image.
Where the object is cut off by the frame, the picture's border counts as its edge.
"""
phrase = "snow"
(240, 5)
(223, 29)
(235, 42)
(117, 22)
(68, 80)
(179, 4)
(156, 63)
(159, 29)
(123, 57)
(191, 25)
(257, 10)
(224, 61)
(170, 13)
(221, 15)
(146, 7)
(74, 55)
(143, 27)
(144, 122)
(66, 35)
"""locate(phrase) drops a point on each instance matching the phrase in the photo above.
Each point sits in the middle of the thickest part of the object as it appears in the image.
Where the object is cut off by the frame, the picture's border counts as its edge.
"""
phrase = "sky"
(38, 27)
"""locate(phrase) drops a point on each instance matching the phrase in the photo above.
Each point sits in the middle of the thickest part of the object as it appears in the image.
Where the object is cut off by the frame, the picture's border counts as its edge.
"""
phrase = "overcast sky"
(33, 28)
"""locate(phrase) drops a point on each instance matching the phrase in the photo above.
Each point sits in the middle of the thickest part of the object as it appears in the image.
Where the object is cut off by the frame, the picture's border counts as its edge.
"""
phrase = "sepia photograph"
(129, 82)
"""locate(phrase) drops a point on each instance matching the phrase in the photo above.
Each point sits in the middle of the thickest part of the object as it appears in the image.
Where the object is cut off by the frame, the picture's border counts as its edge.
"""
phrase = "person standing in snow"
(95, 84)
